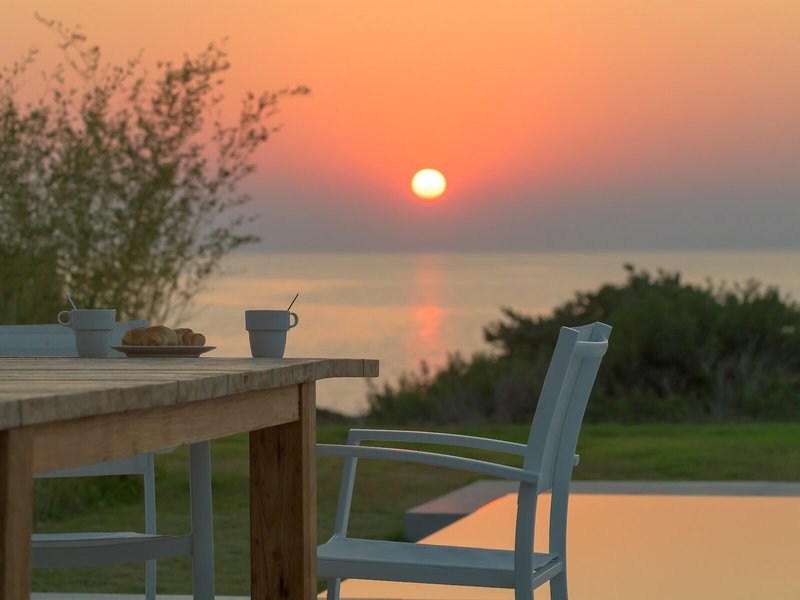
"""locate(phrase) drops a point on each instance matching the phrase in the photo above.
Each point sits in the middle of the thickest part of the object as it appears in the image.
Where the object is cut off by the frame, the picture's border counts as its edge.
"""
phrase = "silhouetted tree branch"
(120, 186)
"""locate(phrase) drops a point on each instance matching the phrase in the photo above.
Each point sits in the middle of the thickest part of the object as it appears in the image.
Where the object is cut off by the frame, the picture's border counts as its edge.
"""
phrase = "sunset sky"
(601, 124)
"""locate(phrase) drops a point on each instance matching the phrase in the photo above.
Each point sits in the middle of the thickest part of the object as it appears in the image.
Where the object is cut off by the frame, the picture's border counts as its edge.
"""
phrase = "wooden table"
(65, 412)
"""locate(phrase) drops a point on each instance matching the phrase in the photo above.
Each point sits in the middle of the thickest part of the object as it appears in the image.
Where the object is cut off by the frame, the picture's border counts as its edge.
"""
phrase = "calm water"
(405, 308)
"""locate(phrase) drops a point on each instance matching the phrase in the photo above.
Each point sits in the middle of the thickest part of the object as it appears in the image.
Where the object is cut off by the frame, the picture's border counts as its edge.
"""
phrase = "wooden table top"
(43, 390)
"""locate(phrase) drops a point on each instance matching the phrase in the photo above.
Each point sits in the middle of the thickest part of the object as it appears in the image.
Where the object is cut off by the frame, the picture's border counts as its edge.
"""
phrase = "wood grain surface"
(16, 513)
(41, 390)
(283, 501)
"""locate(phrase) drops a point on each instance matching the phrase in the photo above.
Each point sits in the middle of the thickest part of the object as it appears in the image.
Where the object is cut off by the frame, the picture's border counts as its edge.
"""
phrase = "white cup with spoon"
(268, 329)
(93, 328)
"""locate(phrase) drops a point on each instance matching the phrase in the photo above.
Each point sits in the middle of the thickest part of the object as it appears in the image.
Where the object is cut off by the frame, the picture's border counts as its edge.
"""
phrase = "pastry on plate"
(159, 335)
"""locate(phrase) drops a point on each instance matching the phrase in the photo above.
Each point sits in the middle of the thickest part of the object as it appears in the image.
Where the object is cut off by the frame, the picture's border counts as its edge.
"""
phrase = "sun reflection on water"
(427, 312)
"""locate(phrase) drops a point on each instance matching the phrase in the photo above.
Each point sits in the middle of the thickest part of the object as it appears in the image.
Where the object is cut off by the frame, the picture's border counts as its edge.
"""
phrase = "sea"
(403, 309)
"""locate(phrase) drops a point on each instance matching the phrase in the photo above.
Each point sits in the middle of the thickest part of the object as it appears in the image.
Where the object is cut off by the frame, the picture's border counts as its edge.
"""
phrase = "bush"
(119, 186)
(679, 352)
(55, 498)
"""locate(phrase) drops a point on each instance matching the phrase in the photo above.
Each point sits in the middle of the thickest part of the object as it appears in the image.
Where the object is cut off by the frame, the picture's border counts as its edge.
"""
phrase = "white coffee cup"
(267, 329)
(93, 328)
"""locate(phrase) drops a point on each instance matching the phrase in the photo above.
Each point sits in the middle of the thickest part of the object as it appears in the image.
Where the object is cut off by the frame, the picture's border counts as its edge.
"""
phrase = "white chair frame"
(548, 460)
(53, 339)
(69, 550)
(65, 550)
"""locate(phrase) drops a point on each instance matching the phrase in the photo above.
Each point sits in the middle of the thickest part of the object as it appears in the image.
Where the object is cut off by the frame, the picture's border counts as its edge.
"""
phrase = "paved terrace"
(627, 540)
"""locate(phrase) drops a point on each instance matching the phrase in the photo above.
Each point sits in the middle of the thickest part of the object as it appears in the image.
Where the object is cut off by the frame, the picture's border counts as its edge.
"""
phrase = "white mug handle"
(296, 319)
(68, 315)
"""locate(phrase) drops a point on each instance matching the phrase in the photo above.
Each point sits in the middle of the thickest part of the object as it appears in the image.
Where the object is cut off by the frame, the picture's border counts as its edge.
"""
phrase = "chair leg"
(150, 580)
(558, 587)
(202, 521)
(523, 542)
(333, 588)
(150, 524)
(523, 594)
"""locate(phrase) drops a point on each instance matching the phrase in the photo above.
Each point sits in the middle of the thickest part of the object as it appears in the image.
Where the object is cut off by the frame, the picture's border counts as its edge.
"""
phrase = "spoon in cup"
(295, 298)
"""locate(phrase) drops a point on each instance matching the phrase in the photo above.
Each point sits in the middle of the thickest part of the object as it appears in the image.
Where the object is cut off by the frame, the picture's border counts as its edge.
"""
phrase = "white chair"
(105, 548)
(548, 460)
(52, 339)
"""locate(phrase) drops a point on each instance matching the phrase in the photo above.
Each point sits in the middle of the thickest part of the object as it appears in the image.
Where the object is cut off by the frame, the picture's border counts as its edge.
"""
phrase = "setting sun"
(428, 184)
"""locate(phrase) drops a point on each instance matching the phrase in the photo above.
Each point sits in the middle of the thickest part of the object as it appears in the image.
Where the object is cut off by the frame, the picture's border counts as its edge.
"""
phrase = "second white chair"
(547, 462)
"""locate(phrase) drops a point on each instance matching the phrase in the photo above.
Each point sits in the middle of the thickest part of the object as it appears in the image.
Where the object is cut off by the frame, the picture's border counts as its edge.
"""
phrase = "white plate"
(164, 351)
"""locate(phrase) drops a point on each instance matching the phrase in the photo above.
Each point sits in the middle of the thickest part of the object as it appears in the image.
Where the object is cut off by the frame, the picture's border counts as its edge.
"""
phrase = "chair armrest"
(357, 436)
(429, 458)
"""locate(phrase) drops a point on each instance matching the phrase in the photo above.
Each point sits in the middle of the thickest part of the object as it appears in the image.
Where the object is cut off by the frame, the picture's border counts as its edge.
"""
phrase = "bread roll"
(158, 335)
(133, 337)
(187, 337)
(194, 339)
(182, 333)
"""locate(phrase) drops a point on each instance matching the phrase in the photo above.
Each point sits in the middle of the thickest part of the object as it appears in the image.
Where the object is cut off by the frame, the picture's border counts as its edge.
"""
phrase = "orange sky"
(676, 118)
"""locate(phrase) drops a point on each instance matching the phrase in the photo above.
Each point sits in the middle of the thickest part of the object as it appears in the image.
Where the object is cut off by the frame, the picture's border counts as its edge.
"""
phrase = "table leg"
(283, 507)
(16, 514)
(203, 575)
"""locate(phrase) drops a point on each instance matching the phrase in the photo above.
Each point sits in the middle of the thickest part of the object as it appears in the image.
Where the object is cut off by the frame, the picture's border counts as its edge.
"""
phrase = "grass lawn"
(385, 490)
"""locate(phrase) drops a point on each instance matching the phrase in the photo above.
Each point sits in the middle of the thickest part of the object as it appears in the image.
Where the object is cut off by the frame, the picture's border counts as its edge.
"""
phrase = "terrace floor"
(631, 541)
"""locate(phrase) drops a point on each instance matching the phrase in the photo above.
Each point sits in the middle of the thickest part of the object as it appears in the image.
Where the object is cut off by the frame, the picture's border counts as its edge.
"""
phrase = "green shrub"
(122, 183)
(55, 498)
(679, 352)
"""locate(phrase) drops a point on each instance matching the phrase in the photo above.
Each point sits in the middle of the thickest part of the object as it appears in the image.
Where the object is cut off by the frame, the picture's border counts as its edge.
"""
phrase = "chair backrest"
(553, 439)
(563, 399)
(52, 339)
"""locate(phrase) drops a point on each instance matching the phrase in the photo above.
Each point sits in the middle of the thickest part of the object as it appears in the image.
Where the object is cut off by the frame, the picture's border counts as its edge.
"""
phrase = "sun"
(428, 184)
